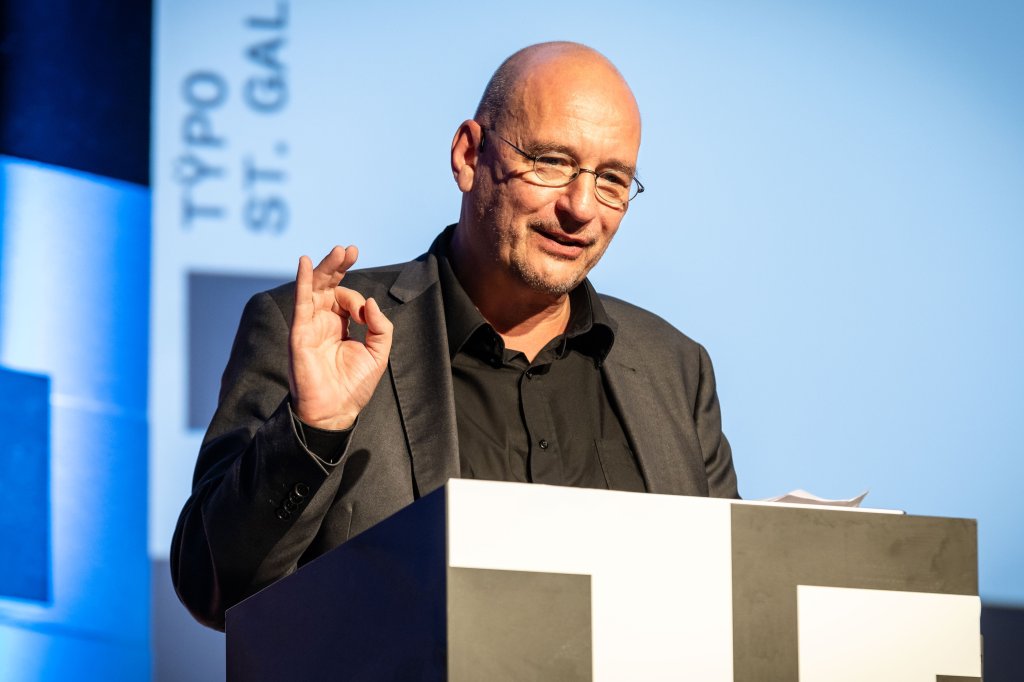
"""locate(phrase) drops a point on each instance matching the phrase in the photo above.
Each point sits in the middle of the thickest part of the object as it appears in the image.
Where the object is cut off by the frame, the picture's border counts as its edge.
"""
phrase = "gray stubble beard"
(538, 282)
(522, 268)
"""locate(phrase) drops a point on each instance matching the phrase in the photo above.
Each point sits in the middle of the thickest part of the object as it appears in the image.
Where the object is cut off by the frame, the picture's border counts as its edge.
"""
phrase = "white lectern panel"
(660, 568)
(851, 635)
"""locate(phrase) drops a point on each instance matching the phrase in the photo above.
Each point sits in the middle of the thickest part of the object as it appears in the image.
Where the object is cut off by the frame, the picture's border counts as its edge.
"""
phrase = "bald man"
(491, 356)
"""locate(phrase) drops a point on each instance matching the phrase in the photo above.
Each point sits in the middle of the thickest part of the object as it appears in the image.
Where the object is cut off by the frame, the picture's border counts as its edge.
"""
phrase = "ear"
(466, 154)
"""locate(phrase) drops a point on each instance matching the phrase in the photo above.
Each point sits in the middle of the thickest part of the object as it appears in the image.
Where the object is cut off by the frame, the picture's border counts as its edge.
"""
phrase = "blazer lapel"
(421, 375)
(656, 434)
(667, 451)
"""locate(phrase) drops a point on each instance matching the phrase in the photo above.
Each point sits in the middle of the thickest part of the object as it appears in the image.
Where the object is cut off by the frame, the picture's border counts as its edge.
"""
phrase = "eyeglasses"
(555, 169)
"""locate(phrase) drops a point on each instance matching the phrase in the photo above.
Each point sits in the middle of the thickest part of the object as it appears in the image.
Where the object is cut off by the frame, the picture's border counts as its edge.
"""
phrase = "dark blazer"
(261, 505)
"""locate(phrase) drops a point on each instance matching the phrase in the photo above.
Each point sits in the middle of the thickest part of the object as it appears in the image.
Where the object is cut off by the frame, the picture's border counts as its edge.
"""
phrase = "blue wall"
(74, 305)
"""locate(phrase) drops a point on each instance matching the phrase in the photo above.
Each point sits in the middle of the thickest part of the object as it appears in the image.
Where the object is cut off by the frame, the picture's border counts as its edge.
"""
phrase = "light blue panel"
(846, 239)
(74, 298)
(74, 305)
(31, 656)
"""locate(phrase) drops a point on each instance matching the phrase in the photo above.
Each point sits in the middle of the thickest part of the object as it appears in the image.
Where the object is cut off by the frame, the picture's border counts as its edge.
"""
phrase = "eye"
(556, 162)
(615, 179)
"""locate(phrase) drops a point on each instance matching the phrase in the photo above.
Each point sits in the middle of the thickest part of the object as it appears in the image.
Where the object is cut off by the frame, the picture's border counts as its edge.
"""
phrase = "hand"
(332, 376)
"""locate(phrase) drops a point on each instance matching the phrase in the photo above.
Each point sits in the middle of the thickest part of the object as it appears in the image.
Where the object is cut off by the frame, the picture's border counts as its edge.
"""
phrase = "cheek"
(510, 212)
(510, 206)
(525, 199)
(609, 228)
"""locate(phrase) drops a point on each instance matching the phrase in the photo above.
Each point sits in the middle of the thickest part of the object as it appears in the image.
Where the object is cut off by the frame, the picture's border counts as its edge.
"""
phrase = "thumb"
(379, 331)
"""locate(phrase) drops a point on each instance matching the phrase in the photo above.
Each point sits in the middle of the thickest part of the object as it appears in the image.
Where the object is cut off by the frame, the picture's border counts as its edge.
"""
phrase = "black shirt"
(547, 421)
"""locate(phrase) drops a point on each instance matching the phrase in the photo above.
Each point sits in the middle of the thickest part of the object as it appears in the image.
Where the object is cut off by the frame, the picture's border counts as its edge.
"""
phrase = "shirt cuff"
(324, 445)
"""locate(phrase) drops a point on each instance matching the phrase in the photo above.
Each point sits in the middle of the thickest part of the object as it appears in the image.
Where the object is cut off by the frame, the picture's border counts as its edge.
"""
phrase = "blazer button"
(289, 506)
(283, 514)
(543, 444)
(300, 490)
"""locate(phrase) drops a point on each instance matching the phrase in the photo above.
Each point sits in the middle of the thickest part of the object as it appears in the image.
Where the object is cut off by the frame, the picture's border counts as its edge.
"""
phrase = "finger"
(379, 331)
(303, 290)
(333, 267)
(349, 304)
(330, 270)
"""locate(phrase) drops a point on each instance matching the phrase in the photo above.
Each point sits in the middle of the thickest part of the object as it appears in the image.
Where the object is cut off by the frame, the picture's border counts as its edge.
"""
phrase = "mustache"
(560, 234)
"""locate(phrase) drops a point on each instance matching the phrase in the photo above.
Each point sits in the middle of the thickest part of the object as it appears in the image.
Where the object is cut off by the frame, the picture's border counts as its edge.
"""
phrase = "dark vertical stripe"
(1002, 626)
(25, 485)
(74, 91)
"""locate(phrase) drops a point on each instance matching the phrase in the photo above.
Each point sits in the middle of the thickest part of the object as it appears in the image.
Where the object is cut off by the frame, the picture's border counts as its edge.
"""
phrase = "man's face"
(548, 238)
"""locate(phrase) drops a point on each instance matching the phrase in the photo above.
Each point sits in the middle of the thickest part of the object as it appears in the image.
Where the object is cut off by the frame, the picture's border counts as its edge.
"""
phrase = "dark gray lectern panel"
(774, 549)
(518, 625)
(373, 609)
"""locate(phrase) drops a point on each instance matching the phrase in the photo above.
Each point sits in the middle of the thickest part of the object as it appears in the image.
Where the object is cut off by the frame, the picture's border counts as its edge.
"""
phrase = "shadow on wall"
(183, 650)
(215, 303)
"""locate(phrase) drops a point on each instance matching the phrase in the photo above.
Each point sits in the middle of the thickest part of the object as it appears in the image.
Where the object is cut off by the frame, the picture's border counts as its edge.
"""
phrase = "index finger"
(329, 273)
(303, 290)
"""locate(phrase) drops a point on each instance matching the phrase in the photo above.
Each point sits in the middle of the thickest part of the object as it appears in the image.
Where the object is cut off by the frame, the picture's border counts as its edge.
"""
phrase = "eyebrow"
(537, 148)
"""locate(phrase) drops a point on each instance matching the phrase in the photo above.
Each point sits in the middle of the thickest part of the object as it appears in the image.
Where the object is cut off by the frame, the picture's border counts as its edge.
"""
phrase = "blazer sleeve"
(258, 496)
(715, 448)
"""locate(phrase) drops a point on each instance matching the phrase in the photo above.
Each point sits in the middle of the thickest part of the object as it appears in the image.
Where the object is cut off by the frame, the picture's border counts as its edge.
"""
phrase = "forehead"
(582, 105)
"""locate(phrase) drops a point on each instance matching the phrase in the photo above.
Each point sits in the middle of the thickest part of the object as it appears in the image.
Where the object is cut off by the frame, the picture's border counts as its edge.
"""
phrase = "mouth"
(562, 244)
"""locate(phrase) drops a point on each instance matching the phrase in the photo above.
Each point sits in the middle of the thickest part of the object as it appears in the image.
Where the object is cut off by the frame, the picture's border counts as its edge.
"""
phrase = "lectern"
(502, 581)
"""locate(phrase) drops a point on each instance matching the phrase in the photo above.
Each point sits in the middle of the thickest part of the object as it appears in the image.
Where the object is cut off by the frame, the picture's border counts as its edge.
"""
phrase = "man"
(490, 356)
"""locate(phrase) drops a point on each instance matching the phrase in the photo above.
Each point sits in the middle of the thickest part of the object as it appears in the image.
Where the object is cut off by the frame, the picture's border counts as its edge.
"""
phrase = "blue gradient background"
(835, 209)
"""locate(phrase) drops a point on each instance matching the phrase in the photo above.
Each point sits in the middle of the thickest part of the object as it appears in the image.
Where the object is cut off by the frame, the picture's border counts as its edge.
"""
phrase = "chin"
(548, 282)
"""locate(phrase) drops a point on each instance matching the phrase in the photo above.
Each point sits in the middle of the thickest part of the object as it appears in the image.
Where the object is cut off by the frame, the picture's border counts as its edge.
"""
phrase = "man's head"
(515, 232)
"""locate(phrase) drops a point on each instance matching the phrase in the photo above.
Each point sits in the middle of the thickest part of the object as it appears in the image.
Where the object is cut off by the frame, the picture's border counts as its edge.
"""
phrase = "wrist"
(329, 423)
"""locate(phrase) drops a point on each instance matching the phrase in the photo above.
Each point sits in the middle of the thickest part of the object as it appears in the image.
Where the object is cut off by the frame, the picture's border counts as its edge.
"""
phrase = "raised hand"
(331, 375)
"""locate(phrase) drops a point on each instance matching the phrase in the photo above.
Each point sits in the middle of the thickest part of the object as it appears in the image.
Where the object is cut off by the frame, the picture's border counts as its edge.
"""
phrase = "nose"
(579, 200)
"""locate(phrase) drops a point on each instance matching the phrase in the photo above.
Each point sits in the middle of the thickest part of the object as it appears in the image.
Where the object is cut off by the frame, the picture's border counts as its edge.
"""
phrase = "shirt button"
(543, 444)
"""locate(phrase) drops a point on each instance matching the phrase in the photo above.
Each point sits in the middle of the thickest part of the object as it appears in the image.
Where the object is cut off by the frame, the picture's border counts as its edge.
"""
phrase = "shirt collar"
(590, 330)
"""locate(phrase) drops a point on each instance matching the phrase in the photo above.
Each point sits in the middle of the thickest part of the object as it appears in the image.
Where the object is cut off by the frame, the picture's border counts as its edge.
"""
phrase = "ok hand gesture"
(331, 375)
